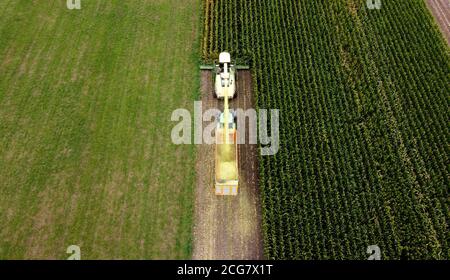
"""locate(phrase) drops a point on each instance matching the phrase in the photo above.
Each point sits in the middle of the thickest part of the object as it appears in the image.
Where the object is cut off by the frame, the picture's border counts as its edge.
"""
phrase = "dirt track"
(441, 11)
(227, 227)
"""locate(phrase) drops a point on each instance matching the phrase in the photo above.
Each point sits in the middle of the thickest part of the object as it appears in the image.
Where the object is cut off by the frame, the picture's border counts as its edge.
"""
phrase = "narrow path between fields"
(228, 227)
(441, 12)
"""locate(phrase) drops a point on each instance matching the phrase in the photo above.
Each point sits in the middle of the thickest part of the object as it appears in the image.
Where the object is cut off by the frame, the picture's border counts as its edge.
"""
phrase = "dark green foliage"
(364, 98)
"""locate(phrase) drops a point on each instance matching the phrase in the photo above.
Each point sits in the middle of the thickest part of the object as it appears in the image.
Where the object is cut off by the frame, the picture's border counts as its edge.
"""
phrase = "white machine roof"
(222, 118)
(225, 57)
(225, 75)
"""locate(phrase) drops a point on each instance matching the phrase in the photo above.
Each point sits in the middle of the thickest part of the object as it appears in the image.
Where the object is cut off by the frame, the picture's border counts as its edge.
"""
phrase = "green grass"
(85, 103)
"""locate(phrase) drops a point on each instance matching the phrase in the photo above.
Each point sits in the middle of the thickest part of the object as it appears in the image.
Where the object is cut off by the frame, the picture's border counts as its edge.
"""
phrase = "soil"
(441, 12)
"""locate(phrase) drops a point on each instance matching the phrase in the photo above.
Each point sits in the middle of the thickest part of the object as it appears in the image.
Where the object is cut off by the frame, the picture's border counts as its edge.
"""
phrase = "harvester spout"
(226, 113)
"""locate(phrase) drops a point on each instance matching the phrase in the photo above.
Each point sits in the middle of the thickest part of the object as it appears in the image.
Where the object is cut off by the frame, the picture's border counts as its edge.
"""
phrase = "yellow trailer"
(226, 171)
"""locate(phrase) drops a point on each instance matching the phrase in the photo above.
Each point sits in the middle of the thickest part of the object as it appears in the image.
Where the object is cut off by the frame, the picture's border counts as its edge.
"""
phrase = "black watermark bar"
(223, 269)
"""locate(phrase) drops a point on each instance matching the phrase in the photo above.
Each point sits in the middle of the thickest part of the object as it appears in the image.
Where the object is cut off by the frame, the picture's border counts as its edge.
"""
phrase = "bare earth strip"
(441, 11)
(228, 227)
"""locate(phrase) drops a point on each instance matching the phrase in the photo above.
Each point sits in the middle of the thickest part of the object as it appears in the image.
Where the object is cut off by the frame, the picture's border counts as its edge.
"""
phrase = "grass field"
(85, 103)
(364, 123)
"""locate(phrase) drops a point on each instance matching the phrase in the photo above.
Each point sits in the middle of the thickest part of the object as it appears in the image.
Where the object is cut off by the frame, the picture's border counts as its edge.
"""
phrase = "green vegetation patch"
(86, 156)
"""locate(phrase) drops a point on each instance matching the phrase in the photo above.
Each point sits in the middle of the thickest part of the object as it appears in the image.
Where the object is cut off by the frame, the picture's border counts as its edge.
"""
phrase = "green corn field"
(364, 123)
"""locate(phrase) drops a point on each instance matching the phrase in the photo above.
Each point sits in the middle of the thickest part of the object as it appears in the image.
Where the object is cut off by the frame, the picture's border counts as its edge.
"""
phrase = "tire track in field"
(228, 227)
(441, 12)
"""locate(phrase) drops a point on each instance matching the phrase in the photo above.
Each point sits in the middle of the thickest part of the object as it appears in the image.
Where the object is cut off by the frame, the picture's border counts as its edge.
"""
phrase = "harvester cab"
(225, 77)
